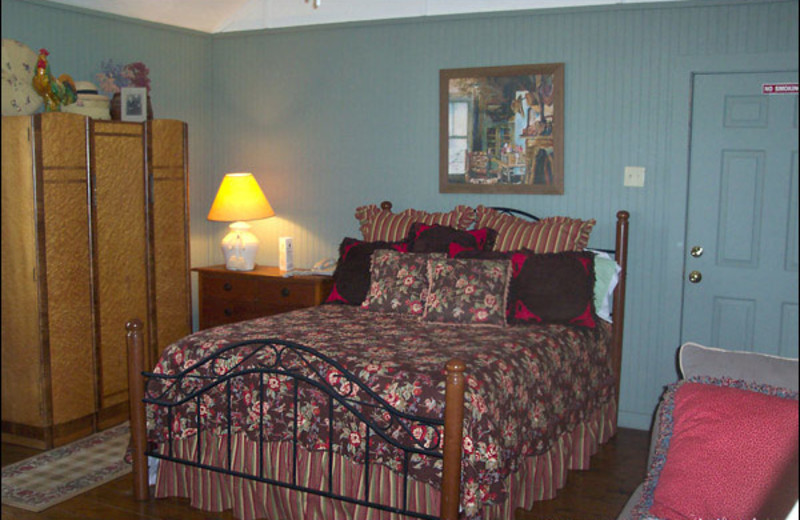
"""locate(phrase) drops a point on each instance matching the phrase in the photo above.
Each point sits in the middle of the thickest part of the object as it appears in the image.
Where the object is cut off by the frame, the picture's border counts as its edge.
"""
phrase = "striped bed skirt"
(538, 478)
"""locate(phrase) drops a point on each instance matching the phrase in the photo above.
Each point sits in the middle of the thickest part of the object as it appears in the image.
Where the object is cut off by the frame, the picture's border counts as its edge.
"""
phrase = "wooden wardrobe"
(95, 230)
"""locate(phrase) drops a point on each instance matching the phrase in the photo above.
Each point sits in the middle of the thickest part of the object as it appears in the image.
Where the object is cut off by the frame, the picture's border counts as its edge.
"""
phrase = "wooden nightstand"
(230, 296)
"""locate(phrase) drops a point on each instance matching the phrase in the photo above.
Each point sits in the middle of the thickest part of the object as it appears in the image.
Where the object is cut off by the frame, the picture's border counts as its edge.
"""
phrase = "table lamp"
(240, 198)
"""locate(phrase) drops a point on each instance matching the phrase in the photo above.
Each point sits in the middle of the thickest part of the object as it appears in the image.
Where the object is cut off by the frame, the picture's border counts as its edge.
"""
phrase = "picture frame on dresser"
(134, 104)
(501, 129)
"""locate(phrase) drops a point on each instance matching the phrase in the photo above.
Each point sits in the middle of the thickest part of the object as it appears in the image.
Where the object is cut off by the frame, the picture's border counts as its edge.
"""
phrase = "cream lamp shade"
(240, 198)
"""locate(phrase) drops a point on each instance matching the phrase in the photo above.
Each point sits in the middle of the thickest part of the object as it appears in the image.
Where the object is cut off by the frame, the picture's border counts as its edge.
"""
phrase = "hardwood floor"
(596, 494)
(601, 492)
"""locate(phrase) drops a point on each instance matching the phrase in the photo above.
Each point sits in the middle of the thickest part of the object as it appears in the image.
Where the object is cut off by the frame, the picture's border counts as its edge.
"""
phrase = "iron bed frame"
(288, 358)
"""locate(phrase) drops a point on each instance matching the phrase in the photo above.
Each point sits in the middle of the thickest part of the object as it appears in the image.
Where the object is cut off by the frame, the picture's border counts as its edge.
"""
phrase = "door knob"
(697, 251)
(695, 276)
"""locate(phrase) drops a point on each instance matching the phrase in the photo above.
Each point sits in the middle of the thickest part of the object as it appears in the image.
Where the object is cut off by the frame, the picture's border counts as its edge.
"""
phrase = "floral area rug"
(54, 476)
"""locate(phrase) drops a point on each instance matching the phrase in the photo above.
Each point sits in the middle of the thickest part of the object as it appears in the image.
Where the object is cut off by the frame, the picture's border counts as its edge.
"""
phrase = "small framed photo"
(134, 104)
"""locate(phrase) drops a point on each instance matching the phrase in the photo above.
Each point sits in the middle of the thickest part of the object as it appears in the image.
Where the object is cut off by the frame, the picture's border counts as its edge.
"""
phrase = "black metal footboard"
(303, 371)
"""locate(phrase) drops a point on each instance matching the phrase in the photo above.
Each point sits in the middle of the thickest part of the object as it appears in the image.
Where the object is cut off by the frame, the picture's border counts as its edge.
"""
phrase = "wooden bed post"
(138, 420)
(453, 426)
(621, 257)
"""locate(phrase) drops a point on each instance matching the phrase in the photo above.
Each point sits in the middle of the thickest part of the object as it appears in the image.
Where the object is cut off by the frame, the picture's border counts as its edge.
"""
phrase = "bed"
(397, 407)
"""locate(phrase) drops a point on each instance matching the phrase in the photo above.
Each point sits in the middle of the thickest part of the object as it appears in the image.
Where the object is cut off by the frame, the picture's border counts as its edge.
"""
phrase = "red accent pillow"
(351, 277)
(728, 449)
(552, 288)
(425, 238)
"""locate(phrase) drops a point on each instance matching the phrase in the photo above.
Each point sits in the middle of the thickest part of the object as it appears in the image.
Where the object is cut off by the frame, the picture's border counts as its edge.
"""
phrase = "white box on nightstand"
(285, 254)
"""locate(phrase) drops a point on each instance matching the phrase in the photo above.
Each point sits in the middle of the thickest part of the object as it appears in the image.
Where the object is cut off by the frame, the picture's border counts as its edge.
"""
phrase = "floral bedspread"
(525, 387)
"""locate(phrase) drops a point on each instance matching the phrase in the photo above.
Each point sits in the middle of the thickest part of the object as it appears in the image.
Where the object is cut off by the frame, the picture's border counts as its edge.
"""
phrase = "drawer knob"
(227, 286)
(285, 292)
(228, 312)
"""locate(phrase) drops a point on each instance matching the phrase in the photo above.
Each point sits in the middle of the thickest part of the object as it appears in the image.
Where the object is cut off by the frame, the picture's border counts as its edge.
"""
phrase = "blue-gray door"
(741, 258)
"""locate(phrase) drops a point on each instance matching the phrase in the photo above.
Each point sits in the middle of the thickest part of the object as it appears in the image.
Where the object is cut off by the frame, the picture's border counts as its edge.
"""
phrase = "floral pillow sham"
(548, 288)
(467, 291)
(351, 279)
(398, 282)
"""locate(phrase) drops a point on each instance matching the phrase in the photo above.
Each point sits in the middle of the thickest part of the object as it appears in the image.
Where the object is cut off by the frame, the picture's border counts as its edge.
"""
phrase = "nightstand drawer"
(286, 294)
(230, 288)
(220, 312)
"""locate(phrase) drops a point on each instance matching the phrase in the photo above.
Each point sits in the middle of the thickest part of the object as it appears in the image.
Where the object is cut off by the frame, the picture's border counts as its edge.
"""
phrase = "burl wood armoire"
(95, 232)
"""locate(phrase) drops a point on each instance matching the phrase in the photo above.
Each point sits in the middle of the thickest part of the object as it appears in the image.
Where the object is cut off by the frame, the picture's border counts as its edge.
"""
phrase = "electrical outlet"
(634, 176)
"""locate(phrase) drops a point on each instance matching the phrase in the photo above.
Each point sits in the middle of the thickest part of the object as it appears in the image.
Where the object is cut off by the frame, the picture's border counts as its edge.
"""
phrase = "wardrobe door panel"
(121, 249)
(63, 140)
(22, 391)
(170, 232)
(67, 253)
(49, 397)
(69, 299)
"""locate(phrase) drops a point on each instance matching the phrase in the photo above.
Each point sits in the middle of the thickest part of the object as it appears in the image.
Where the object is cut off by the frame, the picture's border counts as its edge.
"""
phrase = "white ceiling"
(215, 16)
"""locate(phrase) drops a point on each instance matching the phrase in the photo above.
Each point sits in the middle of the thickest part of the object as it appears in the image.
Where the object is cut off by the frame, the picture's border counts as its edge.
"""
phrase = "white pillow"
(606, 277)
(699, 360)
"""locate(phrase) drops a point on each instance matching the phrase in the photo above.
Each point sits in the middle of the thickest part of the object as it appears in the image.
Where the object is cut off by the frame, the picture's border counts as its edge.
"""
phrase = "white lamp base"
(240, 247)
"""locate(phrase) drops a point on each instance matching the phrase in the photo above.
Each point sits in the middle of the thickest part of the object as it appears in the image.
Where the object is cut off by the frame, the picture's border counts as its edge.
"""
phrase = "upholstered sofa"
(724, 441)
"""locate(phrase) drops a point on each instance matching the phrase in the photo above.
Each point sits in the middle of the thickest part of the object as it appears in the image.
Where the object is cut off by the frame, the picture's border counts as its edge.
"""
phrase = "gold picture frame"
(501, 129)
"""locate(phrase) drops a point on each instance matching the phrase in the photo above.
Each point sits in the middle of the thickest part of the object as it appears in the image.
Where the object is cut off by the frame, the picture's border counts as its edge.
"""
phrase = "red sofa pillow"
(727, 449)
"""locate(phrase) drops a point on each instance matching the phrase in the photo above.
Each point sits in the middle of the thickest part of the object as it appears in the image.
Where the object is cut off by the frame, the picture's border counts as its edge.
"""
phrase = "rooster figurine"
(55, 92)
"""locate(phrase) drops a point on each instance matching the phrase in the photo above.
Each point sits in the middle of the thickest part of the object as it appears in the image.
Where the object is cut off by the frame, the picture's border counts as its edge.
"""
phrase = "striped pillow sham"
(379, 224)
(548, 235)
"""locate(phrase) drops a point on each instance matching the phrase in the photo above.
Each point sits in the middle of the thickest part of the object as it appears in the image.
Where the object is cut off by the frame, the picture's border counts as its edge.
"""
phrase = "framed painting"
(501, 129)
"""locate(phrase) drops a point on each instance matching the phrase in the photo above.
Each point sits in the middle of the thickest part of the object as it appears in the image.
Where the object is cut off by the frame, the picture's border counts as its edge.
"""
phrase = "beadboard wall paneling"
(329, 118)
(180, 74)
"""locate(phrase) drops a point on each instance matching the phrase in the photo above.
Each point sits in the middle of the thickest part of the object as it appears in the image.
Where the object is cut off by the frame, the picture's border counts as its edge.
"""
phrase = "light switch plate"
(634, 176)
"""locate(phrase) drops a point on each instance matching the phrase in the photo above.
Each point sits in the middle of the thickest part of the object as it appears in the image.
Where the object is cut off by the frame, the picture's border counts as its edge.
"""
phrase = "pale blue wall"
(329, 118)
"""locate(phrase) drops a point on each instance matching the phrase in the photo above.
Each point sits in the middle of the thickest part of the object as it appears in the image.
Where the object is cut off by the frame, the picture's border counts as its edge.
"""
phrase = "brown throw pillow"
(426, 238)
(552, 288)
